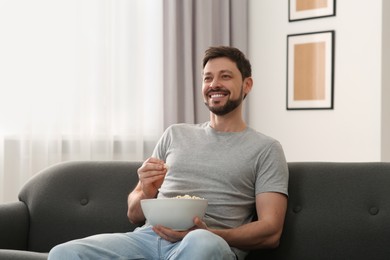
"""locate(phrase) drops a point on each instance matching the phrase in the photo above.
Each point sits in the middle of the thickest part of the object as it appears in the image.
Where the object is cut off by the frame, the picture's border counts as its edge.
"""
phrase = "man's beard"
(228, 107)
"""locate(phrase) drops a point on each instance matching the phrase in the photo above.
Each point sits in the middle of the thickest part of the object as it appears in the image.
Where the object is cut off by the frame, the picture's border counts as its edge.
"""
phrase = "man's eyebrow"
(221, 71)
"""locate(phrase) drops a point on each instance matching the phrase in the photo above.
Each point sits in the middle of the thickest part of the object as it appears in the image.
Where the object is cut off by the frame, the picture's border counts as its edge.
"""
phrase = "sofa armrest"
(13, 225)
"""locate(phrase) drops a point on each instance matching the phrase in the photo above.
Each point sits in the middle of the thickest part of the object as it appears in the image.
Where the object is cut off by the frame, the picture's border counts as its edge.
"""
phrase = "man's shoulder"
(186, 126)
(261, 137)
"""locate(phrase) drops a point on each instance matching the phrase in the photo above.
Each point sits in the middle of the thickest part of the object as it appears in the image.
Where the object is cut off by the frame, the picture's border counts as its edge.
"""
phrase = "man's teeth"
(217, 95)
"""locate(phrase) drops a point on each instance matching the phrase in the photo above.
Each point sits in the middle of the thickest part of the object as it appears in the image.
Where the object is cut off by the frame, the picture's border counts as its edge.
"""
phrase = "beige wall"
(386, 82)
(355, 129)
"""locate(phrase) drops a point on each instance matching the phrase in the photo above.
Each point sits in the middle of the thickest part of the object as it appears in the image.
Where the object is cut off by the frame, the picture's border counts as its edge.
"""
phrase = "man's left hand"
(174, 236)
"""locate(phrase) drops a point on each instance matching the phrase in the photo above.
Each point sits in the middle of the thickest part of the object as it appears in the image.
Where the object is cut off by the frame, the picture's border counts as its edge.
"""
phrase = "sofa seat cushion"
(21, 255)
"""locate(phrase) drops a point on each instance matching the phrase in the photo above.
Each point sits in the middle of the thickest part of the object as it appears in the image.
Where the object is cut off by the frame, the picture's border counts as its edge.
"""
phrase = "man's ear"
(248, 83)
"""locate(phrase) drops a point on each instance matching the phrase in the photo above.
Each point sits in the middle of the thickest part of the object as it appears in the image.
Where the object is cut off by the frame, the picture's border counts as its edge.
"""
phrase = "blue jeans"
(143, 243)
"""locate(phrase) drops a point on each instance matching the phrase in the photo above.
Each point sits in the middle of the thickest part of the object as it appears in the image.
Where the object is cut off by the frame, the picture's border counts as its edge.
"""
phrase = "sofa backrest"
(77, 199)
(335, 211)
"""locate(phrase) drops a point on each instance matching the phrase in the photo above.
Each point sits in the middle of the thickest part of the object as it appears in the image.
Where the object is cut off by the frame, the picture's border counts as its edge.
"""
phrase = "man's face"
(222, 86)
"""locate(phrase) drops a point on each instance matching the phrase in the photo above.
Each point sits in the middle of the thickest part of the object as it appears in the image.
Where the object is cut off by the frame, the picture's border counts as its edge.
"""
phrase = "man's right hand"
(151, 176)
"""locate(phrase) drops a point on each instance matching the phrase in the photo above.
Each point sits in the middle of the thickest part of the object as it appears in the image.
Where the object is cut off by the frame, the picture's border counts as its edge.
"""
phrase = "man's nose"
(214, 84)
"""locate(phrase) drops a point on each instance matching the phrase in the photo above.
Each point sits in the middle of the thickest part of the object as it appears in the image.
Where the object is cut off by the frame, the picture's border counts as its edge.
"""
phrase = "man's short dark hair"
(231, 53)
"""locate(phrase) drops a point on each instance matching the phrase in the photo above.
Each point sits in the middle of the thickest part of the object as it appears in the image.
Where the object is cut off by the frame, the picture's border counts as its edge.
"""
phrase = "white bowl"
(174, 213)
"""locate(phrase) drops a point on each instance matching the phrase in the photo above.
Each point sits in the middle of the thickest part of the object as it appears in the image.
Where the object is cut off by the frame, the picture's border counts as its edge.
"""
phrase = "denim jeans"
(143, 243)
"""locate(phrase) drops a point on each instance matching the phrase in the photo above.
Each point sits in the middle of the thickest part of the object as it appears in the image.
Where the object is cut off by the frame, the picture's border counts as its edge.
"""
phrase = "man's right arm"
(134, 210)
(151, 176)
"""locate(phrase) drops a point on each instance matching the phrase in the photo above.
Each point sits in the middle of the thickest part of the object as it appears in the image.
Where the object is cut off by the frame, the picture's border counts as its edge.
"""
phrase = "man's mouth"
(217, 95)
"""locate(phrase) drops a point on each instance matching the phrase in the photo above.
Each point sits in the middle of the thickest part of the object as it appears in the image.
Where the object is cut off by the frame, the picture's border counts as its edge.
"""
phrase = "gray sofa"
(335, 210)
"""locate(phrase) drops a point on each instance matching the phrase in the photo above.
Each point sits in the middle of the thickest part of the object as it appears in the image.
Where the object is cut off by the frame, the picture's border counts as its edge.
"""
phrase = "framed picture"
(310, 9)
(310, 70)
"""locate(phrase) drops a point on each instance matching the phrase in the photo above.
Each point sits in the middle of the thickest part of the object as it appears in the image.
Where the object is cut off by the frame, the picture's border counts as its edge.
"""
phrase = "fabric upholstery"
(14, 225)
(72, 200)
(335, 210)
(6, 254)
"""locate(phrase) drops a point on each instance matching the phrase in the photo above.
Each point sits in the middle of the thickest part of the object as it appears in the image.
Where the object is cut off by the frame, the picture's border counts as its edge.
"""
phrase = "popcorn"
(166, 166)
(188, 197)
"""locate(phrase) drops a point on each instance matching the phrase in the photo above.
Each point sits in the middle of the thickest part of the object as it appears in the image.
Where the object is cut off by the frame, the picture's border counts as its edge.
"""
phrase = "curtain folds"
(80, 80)
(190, 27)
(101, 79)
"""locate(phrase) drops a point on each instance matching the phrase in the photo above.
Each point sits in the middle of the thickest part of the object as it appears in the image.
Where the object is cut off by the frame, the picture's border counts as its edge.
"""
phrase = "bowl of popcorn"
(177, 213)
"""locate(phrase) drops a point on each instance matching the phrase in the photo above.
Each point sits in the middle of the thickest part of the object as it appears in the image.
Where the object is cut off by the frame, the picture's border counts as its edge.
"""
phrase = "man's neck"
(232, 122)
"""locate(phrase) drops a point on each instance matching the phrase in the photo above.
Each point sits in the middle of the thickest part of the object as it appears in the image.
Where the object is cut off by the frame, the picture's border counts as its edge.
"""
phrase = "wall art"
(310, 70)
(310, 9)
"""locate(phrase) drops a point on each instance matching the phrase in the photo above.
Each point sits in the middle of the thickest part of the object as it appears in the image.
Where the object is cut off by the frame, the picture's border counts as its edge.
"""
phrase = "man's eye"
(207, 79)
(226, 76)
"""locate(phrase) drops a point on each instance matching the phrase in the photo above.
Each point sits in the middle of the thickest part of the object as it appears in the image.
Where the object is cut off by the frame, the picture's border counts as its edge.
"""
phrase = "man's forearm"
(134, 210)
(254, 235)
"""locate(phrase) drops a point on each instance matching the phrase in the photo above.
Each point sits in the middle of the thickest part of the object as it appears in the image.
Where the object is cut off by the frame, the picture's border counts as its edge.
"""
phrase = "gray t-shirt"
(227, 168)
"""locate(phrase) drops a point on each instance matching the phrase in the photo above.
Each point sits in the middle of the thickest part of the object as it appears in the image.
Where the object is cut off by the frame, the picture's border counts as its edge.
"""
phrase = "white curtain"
(79, 80)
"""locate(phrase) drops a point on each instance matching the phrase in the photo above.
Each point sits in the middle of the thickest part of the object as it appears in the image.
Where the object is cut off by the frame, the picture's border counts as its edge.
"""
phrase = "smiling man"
(241, 172)
(217, 83)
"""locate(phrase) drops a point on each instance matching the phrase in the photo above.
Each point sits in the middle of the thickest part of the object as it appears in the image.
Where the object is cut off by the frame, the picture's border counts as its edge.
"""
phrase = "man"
(239, 171)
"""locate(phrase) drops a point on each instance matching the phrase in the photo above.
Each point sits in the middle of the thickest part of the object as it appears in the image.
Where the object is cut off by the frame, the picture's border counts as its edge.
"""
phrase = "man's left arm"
(266, 231)
(263, 233)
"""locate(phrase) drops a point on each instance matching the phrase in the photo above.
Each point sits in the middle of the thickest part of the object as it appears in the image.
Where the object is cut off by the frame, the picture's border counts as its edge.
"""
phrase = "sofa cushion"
(335, 211)
(21, 255)
(77, 199)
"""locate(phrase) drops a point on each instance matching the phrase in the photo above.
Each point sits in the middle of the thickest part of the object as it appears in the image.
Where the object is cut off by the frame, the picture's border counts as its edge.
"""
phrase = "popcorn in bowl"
(176, 213)
(188, 197)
